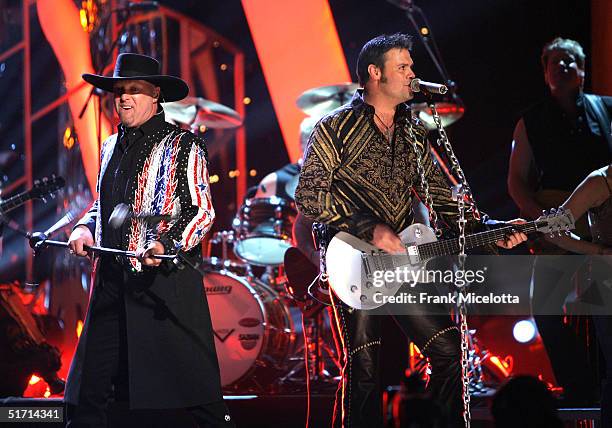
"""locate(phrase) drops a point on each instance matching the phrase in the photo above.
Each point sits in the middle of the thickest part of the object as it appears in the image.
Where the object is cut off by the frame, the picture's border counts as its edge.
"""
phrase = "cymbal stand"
(313, 352)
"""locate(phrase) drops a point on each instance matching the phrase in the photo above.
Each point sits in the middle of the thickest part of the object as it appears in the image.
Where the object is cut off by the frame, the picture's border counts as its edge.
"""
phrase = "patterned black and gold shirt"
(354, 178)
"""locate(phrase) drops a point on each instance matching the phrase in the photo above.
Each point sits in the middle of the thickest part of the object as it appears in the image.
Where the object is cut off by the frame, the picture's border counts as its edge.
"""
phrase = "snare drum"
(264, 230)
(254, 331)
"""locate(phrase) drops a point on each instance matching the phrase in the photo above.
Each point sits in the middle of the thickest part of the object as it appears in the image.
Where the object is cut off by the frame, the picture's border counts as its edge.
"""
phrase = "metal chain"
(461, 307)
(443, 141)
(465, 374)
(433, 216)
(464, 191)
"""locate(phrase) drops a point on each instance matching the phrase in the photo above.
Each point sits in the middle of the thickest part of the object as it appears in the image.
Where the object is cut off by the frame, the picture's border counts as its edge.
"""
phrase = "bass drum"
(254, 331)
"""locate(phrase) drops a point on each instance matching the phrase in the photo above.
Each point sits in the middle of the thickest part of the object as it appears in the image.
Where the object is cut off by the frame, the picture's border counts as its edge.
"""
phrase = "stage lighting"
(524, 331)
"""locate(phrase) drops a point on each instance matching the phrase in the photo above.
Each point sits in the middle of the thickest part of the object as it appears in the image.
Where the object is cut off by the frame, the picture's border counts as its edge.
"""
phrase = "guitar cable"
(306, 371)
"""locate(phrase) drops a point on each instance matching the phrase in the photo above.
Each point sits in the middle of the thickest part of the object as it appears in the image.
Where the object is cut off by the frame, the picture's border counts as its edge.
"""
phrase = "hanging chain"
(461, 307)
(433, 216)
(463, 194)
(443, 141)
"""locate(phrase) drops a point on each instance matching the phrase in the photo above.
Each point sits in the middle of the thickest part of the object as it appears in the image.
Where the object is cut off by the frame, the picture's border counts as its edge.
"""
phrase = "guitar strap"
(598, 108)
(321, 237)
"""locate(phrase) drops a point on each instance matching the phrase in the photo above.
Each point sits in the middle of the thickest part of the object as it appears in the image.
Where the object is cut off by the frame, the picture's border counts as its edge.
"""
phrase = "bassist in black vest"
(556, 143)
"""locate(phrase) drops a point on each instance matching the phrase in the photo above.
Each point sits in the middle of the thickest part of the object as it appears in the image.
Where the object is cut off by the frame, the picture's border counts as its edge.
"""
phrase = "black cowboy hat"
(131, 66)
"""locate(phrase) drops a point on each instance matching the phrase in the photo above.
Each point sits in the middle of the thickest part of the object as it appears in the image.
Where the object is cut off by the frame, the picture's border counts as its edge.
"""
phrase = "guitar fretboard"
(14, 201)
(451, 246)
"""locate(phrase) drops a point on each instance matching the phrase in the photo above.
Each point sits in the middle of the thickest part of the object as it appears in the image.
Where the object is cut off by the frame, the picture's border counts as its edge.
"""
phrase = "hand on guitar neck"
(513, 239)
(387, 240)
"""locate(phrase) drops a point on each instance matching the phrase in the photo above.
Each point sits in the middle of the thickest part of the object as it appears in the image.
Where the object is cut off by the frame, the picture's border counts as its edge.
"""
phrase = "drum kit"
(262, 334)
(267, 339)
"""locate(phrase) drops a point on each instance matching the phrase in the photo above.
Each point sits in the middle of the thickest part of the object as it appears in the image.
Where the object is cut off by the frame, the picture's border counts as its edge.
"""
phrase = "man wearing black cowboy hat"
(147, 332)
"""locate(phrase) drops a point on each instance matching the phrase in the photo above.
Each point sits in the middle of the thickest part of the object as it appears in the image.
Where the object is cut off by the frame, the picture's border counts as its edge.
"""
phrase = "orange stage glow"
(298, 48)
(79, 328)
(34, 380)
(61, 24)
(504, 366)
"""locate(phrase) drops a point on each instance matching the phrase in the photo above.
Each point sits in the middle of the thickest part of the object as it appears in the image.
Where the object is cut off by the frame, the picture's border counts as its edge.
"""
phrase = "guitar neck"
(451, 246)
(14, 202)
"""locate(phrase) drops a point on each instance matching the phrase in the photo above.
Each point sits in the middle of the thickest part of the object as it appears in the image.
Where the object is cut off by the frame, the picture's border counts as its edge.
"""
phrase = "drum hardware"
(263, 230)
(317, 351)
(214, 264)
(224, 237)
(302, 286)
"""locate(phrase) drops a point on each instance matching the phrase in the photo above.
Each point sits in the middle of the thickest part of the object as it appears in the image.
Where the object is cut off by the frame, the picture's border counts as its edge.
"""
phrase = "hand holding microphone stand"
(121, 213)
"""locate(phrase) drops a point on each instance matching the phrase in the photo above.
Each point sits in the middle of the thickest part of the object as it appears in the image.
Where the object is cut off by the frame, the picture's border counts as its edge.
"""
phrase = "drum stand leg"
(316, 347)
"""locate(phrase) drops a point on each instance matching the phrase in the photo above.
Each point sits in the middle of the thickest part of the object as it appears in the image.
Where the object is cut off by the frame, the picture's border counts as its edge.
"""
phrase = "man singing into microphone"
(359, 176)
(147, 337)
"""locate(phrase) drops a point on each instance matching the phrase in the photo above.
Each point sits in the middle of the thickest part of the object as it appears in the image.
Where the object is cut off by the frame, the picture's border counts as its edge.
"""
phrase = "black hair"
(373, 52)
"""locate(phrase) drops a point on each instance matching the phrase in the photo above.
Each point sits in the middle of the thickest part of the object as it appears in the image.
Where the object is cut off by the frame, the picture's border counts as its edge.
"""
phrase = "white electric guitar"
(355, 266)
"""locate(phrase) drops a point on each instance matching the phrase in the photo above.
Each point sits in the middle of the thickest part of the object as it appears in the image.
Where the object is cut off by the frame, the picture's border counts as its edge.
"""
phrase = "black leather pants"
(358, 399)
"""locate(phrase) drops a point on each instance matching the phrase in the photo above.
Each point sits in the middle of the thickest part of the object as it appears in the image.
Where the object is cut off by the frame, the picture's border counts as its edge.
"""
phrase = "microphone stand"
(39, 240)
(431, 47)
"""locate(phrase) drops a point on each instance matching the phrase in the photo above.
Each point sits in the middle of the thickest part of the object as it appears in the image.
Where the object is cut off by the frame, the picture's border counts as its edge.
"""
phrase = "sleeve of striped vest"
(193, 192)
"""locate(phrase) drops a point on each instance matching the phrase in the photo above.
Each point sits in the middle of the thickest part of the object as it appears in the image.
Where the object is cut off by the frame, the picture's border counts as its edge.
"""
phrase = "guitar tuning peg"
(44, 199)
(544, 213)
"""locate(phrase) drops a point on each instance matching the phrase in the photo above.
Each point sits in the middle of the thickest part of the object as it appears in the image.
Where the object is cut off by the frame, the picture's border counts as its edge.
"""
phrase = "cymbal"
(449, 113)
(321, 100)
(197, 112)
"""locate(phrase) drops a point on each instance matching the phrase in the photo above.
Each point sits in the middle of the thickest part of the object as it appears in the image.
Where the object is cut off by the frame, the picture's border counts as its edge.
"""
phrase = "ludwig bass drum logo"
(217, 289)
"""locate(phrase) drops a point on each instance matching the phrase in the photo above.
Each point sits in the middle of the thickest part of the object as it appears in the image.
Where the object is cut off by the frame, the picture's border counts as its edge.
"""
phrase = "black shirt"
(118, 175)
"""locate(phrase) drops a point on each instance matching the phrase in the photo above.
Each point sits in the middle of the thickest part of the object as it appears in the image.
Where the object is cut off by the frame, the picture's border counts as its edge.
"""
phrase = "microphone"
(143, 6)
(418, 85)
(122, 212)
(68, 218)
